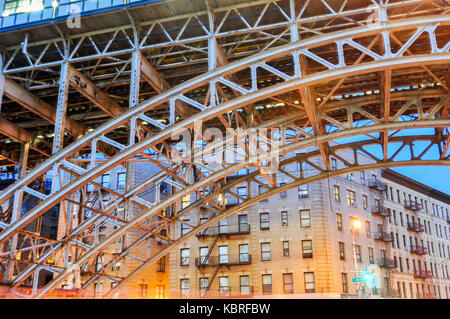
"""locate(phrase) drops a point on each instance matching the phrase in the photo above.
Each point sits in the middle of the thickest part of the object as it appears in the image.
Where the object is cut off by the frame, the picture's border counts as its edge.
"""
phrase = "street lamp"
(356, 225)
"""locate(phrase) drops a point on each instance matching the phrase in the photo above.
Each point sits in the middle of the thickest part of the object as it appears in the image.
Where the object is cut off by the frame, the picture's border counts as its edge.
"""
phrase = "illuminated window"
(337, 196)
(339, 221)
(351, 198)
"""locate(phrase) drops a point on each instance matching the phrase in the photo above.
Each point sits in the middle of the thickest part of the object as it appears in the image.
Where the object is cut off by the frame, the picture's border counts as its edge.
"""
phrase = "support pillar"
(17, 205)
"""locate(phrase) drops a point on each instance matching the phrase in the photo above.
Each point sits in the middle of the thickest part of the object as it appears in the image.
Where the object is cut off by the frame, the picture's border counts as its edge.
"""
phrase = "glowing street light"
(356, 224)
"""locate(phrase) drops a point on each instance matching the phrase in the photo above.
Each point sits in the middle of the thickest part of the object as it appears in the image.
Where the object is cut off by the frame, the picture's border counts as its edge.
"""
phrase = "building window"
(310, 286)
(333, 164)
(349, 176)
(242, 192)
(203, 281)
(261, 190)
(351, 198)
(284, 219)
(368, 229)
(243, 223)
(341, 250)
(286, 252)
(184, 285)
(305, 218)
(143, 289)
(264, 221)
(161, 265)
(105, 180)
(184, 228)
(307, 248)
(184, 257)
(357, 250)
(160, 291)
(288, 283)
(243, 253)
(339, 221)
(362, 176)
(267, 284)
(365, 201)
(283, 194)
(203, 254)
(303, 191)
(224, 288)
(245, 284)
(223, 254)
(371, 259)
(121, 178)
(265, 252)
(337, 195)
(344, 283)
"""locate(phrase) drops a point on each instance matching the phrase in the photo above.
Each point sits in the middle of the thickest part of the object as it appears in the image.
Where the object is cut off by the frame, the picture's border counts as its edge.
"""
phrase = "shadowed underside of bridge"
(306, 81)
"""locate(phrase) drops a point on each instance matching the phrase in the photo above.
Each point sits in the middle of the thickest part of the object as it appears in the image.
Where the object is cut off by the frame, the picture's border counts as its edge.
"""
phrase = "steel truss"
(289, 70)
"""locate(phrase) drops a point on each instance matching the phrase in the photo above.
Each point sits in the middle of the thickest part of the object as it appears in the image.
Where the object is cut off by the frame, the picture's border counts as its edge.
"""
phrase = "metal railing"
(423, 274)
(386, 263)
(383, 236)
(234, 229)
(419, 250)
(381, 211)
(412, 205)
(226, 260)
(416, 227)
(380, 186)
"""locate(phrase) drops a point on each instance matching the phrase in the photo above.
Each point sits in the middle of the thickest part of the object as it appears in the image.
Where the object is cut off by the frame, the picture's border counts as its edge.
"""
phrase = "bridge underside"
(200, 93)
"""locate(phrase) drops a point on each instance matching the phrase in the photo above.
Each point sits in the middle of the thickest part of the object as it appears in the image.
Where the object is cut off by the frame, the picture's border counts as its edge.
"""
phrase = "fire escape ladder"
(214, 275)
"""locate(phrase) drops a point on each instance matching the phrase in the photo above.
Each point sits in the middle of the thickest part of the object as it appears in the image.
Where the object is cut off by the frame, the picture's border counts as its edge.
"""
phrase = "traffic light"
(369, 279)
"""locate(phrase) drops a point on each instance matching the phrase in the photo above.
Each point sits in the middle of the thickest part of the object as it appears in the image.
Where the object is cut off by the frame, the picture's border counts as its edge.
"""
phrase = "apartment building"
(419, 224)
(299, 243)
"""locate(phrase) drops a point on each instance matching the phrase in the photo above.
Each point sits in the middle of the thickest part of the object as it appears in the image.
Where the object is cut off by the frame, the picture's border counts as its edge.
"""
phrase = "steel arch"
(435, 56)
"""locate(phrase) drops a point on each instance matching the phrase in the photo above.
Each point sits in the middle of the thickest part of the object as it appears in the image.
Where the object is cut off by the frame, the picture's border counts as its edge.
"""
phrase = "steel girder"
(414, 112)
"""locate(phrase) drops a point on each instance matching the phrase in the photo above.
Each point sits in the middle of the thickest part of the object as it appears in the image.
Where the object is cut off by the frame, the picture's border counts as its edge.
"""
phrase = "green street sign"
(357, 279)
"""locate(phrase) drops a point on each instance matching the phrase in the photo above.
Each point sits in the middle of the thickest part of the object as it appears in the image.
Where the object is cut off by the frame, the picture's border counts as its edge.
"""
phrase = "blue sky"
(434, 176)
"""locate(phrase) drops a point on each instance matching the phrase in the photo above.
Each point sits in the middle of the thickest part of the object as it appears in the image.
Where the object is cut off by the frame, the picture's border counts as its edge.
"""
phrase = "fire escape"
(418, 249)
(219, 261)
(383, 233)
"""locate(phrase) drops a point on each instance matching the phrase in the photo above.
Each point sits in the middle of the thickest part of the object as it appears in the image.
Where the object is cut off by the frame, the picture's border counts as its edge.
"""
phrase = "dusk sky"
(434, 176)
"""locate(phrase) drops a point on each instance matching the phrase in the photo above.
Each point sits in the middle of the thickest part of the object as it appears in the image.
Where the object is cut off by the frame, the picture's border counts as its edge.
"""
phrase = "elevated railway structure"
(84, 94)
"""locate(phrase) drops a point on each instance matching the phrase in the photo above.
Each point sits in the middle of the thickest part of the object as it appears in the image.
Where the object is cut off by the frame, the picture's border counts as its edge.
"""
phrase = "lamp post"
(356, 225)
